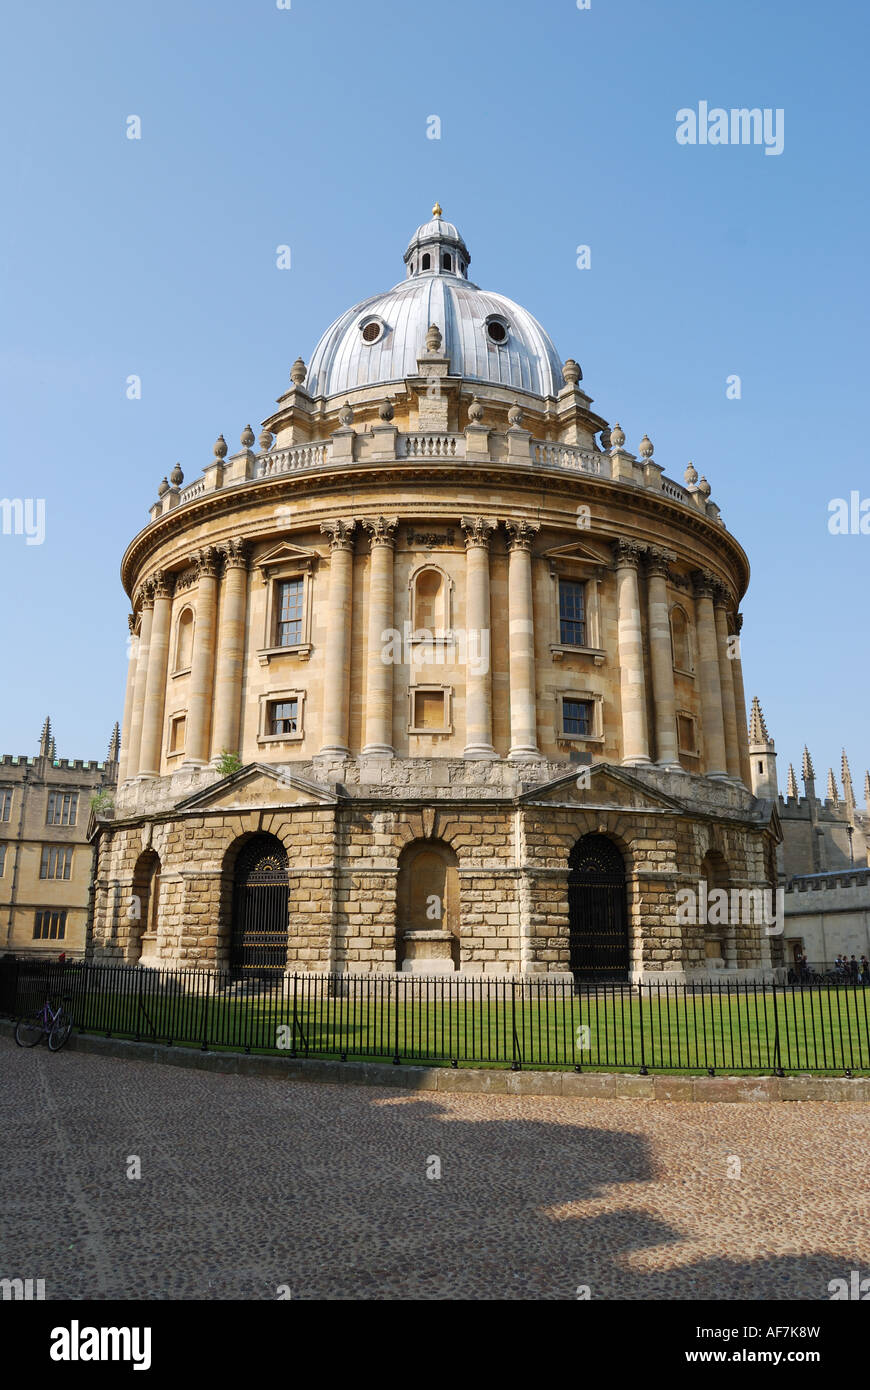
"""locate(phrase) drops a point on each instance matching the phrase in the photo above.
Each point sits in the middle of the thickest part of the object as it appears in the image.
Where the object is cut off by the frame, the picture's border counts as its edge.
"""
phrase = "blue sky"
(307, 127)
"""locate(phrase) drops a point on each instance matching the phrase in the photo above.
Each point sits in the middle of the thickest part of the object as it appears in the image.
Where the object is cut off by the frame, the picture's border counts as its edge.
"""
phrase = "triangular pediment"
(260, 784)
(286, 553)
(602, 786)
(577, 550)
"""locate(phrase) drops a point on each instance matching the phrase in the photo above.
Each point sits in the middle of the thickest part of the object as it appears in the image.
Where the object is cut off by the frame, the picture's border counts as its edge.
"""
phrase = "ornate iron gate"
(597, 915)
(258, 944)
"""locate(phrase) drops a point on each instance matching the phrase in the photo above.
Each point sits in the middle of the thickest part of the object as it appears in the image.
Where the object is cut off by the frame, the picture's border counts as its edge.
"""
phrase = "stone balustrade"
(386, 444)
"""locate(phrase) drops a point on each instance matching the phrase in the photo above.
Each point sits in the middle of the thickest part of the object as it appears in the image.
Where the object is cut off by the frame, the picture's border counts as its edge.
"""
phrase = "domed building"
(439, 678)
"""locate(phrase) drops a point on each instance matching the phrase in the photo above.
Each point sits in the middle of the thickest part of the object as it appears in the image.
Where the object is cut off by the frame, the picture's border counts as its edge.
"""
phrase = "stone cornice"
(637, 507)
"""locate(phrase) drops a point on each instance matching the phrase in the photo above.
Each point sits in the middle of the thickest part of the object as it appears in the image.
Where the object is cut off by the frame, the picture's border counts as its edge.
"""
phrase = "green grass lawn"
(817, 1029)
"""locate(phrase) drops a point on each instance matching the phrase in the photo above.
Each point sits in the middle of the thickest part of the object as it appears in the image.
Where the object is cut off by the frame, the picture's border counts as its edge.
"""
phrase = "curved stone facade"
(462, 613)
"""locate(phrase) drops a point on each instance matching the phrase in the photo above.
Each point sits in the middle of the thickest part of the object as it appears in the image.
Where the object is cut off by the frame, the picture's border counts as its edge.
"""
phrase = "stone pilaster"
(632, 684)
(336, 661)
(231, 649)
(524, 732)
(661, 658)
(201, 699)
(124, 760)
(726, 681)
(712, 719)
(155, 683)
(379, 670)
(478, 638)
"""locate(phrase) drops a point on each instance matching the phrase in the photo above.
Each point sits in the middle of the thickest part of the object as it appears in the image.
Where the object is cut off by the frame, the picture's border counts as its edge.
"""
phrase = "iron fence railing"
(721, 1026)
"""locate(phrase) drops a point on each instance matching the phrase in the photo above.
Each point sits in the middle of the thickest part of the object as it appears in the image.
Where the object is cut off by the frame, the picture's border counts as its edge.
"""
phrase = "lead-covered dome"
(487, 336)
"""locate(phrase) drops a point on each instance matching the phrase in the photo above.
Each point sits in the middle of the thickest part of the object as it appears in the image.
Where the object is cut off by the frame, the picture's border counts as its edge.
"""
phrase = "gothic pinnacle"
(757, 727)
(807, 769)
(832, 788)
(791, 790)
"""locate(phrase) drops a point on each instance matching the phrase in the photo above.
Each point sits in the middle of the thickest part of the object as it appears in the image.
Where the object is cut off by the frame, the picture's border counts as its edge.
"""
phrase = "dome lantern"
(437, 248)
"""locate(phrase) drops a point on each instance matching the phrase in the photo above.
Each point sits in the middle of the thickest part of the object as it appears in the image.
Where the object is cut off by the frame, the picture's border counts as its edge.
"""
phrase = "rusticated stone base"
(509, 842)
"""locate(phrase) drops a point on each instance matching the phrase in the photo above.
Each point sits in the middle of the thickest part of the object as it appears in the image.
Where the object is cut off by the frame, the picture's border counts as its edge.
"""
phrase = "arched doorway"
(597, 911)
(427, 908)
(144, 908)
(718, 930)
(258, 936)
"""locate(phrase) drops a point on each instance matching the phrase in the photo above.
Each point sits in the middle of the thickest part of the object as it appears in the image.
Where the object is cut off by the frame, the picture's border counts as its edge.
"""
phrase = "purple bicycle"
(55, 1024)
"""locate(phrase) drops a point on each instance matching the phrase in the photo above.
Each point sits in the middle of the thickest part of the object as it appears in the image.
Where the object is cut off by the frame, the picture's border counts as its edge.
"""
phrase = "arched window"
(680, 644)
(446, 262)
(429, 599)
(142, 914)
(426, 263)
(184, 640)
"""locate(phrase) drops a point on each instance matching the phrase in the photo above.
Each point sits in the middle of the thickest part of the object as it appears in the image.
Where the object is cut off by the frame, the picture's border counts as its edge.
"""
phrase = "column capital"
(131, 623)
(145, 596)
(381, 530)
(737, 619)
(704, 583)
(627, 553)
(205, 562)
(340, 533)
(164, 584)
(722, 596)
(657, 561)
(478, 530)
(236, 553)
(521, 534)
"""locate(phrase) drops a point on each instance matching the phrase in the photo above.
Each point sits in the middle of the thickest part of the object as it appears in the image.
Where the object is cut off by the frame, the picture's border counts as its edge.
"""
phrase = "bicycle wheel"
(29, 1031)
(60, 1031)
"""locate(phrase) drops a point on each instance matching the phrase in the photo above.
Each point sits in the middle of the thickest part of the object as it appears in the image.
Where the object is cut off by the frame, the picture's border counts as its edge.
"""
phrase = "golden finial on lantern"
(437, 210)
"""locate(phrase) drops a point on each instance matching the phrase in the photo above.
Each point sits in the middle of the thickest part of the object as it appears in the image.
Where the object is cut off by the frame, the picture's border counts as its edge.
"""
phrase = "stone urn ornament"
(690, 476)
(345, 415)
(617, 436)
(645, 448)
(386, 411)
(247, 439)
(475, 411)
(266, 440)
(571, 372)
(176, 477)
(515, 416)
(433, 338)
(220, 448)
(298, 372)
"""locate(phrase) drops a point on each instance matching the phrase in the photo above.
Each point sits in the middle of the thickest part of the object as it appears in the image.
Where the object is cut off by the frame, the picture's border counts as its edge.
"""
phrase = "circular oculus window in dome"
(497, 330)
(372, 330)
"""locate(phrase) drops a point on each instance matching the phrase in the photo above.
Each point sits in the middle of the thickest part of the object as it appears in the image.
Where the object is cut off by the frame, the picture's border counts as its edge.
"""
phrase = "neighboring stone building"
(824, 859)
(46, 862)
(472, 666)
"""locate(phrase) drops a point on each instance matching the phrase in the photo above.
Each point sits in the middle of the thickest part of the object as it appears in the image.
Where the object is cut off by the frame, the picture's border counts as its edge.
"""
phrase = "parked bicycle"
(55, 1024)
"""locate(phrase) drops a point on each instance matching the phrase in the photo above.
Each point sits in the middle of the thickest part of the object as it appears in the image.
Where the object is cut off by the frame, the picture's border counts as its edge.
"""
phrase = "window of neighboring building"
(184, 640)
(283, 717)
(62, 808)
(2, 860)
(50, 925)
(680, 645)
(572, 613)
(56, 861)
(5, 805)
(429, 710)
(288, 612)
(177, 733)
(578, 717)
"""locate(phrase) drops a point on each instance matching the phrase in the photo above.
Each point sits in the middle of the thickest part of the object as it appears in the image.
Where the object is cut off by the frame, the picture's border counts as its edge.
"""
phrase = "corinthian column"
(199, 708)
(124, 760)
(523, 686)
(712, 720)
(740, 705)
(146, 608)
(632, 685)
(379, 670)
(336, 660)
(661, 658)
(231, 650)
(478, 669)
(726, 681)
(155, 682)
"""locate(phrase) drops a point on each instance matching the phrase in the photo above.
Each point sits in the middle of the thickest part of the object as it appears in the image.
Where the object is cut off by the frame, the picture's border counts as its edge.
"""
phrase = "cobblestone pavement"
(249, 1184)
